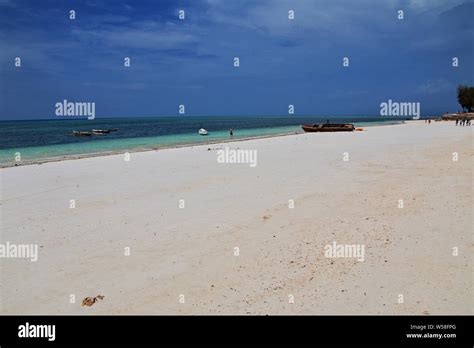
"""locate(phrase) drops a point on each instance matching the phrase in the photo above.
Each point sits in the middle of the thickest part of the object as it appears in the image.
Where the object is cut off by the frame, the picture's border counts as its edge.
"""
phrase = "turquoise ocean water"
(46, 139)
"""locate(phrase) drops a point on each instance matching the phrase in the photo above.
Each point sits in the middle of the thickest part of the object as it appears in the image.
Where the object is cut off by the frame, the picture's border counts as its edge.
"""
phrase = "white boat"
(100, 131)
(202, 131)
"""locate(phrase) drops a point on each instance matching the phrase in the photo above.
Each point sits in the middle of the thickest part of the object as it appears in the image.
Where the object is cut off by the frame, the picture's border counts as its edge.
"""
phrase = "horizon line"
(82, 118)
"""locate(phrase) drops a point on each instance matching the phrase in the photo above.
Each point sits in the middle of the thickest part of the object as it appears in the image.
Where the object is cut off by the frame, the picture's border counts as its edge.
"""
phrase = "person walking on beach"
(231, 132)
(457, 121)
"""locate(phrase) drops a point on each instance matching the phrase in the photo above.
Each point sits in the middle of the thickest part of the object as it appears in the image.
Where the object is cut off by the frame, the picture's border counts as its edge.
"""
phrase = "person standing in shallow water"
(231, 132)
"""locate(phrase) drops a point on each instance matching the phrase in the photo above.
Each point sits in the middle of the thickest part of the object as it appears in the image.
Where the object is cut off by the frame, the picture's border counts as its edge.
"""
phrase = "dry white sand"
(190, 251)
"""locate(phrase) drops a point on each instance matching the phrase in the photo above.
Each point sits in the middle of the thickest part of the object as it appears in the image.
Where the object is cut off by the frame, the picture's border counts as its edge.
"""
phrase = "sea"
(40, 140)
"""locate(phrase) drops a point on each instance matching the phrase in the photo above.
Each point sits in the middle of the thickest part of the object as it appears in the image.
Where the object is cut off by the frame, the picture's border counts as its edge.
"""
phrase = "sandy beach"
(158, 234)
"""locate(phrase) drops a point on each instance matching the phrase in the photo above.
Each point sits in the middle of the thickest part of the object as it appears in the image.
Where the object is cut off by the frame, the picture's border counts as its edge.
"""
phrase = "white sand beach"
(190, 251)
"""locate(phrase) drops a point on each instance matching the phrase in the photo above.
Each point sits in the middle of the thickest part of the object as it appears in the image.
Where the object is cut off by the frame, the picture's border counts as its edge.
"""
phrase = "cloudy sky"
(190, 61)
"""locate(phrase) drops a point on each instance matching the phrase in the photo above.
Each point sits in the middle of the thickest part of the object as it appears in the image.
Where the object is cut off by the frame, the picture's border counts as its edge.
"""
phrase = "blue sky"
(190, 62)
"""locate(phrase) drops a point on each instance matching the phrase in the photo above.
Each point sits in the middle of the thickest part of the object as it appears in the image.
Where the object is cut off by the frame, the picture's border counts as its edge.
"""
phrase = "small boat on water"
(100, 131)
(113, 129)
(202, 131)
(81, 133)
(329, 127)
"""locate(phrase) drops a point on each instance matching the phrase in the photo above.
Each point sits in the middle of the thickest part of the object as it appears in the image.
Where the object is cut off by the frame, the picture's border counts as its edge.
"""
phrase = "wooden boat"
(100, 131)
(329, 127)
(202, 131)
(81, 134)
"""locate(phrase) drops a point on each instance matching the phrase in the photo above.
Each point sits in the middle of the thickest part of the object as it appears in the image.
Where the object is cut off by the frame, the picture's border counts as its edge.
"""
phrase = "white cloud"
(7, 3)
(271, 16)
(435, 86)
(146, 34)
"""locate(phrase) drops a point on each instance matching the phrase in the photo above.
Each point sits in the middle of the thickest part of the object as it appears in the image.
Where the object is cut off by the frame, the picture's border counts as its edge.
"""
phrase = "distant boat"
(81, 134)
(100, 131)
(202, 131)
(113, 129)
(329, 127)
